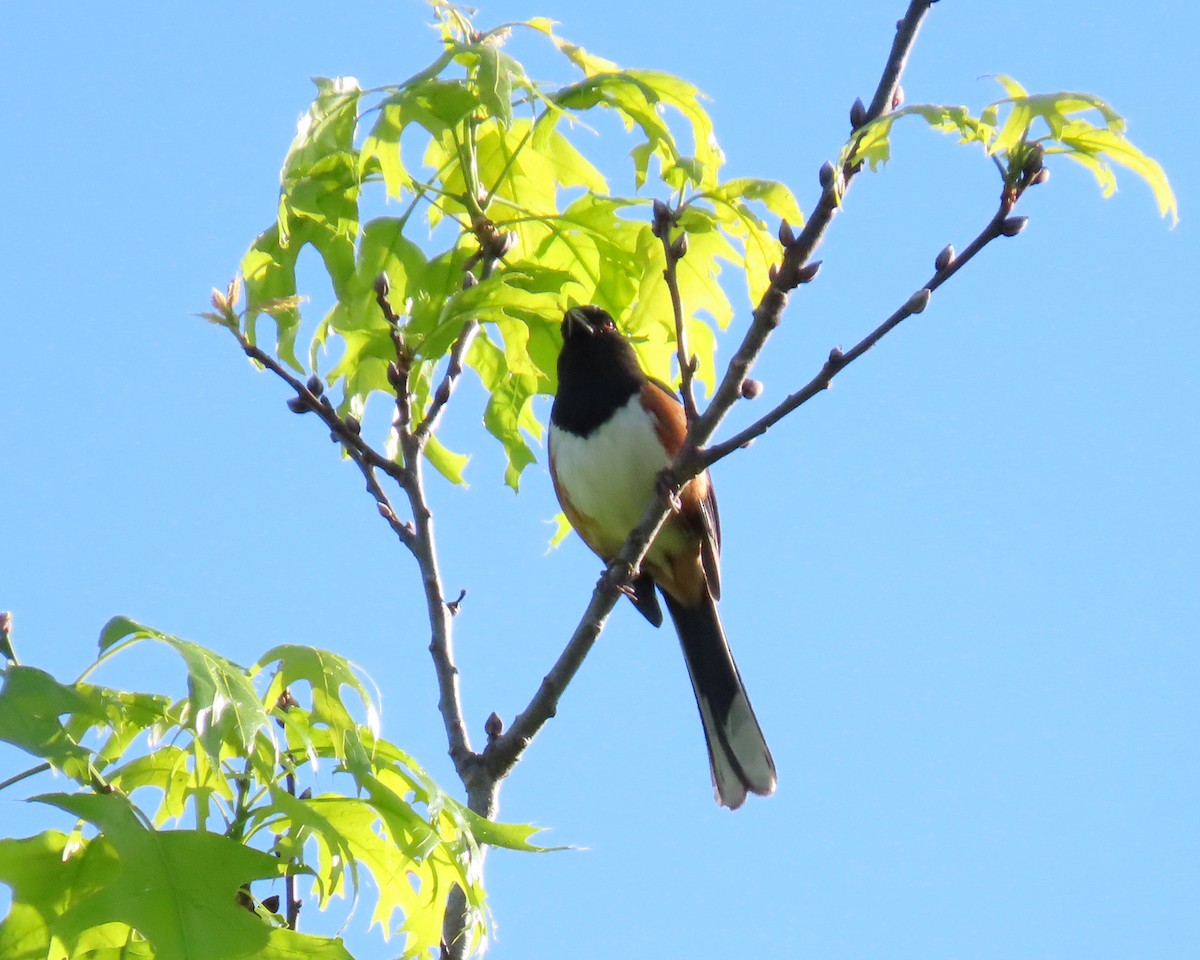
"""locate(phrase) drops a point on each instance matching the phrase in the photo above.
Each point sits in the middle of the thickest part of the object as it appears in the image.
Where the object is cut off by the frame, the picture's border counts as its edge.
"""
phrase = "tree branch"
(838, 360)
(502, 753)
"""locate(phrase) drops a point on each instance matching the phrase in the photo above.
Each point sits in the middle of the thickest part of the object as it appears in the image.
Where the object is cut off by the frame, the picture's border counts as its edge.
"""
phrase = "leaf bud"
(918, 301)
(271, 903)
(897, 97)
(219, 301)
(858, 114)
(383, 285)
(945, 258)
(786, 235)
(395, 377)
(773, 272)
(469, 280)
(751, 388)
(353, 425)
(679, 247)
(493, 726)
(1034, 160)
(508, 242)
(826, 173)
(808, 272)
(315, 386)
(1013, 225)
(1040, 177)
(297, 405)
(663, 219)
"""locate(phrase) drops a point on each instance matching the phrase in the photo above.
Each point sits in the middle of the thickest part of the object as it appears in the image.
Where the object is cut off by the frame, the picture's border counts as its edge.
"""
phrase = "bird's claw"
(666, 486)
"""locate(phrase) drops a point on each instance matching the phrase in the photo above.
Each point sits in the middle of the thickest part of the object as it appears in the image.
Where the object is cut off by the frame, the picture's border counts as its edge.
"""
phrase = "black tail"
(737, 752)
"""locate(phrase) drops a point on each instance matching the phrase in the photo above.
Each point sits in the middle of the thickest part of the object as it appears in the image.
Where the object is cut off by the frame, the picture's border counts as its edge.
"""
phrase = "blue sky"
(961, 586)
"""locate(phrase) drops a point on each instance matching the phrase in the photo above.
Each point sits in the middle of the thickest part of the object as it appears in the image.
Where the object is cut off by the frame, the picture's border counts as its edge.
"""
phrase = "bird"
(613, 431)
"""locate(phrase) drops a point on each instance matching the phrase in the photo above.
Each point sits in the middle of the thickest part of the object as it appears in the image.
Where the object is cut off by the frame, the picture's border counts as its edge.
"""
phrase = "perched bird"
(613, 430)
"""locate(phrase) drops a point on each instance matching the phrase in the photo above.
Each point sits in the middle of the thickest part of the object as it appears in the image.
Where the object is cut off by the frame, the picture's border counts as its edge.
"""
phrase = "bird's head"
(587, 322)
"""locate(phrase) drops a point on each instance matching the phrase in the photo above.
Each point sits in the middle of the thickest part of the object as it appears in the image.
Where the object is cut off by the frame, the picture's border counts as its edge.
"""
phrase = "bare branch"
(344, 431)
(838, 360)
(444, 389)
(675, 250)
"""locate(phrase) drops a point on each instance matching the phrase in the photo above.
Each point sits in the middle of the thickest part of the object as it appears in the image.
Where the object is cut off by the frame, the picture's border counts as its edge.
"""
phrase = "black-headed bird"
(613, 431)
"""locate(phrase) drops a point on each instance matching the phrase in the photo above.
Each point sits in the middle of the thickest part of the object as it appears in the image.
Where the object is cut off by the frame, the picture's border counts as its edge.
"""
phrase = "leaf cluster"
(483, 163)
(131, 881)
(1020, 129)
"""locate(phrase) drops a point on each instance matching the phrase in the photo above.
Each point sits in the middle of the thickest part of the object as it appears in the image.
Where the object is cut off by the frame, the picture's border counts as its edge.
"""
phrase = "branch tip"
(493, 727)
(858, 113)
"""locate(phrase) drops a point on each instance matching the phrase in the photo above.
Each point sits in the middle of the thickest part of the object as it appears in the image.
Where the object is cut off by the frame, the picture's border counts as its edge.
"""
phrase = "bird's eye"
(606, 326)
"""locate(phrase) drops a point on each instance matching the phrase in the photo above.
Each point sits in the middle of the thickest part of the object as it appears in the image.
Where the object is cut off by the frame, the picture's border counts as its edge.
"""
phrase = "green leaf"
(562, 529)
(31, 703)
(326, 129)
(184, 912)
(1096, 144)
(327, 675)
(223, 704)
(449, 464)
(494, 77)
(48, 874)
(435, 105)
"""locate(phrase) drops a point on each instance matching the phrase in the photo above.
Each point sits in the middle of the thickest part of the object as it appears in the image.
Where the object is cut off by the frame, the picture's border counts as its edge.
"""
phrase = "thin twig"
(346, 434)
(25, 775)
(444, 389)
(674, 250)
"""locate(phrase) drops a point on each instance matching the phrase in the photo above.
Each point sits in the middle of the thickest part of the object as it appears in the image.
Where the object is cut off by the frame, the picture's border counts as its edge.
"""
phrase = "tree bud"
(493, 726)
(395, 377)
(662, 219)
(1040, 177)
(826, 173)
(918, 301)
(1034, 160)
(751, 388)
(679, 247)
(383, 286)
(945, 258)
(315, 386)
(271, 903)
(353, 425)
(858, 114)
(897, 97)
(469, 280)
(1013, 225)
(297, 405)
(773, 272)
(808, 272)
(786, 236)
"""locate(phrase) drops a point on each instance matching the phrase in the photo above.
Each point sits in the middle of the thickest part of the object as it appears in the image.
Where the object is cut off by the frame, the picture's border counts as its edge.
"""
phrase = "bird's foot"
(667, 487)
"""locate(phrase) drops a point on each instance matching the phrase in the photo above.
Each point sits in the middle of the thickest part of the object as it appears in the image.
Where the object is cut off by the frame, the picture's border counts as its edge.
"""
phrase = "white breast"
(609, 476)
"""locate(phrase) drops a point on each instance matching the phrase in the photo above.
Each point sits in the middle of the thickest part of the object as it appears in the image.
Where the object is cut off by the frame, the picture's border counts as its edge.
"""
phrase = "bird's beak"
(575, 319)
